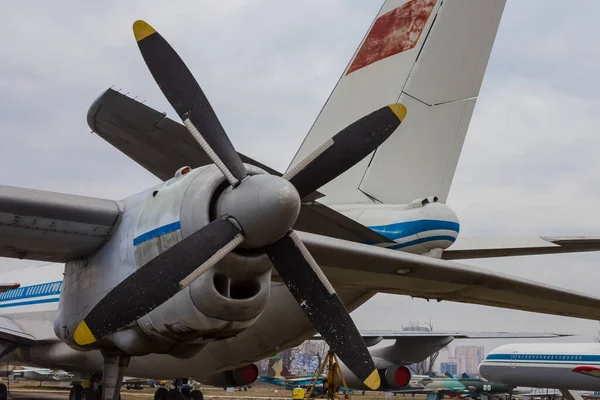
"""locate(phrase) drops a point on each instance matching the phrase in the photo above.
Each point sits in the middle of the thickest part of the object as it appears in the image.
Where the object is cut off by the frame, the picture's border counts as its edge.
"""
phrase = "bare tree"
(424, 367)
(287, 357)
(318, 348)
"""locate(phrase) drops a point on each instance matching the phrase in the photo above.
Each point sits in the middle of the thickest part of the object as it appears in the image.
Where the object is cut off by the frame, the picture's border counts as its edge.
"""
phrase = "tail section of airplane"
(430, 55)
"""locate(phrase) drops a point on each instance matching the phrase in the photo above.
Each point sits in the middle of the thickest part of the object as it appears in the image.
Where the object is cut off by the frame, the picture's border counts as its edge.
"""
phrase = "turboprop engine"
(392, 377)
(242, 376)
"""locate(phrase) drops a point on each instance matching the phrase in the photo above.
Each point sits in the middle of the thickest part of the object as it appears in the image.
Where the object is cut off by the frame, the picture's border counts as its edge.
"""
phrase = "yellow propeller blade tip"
(141, 30)
(399, 110)
(373, 382)
(83, 335)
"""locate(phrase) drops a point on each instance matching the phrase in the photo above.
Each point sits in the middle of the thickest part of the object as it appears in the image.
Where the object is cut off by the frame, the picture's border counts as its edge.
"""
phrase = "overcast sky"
(529, 166)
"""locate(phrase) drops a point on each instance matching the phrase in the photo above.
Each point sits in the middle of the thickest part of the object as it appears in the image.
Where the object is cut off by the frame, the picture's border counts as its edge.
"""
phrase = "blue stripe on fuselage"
(41, 293)
(161, 230)
(25, 292)
(394, 231)
(419, 241)
(403, 229)
(547, 358)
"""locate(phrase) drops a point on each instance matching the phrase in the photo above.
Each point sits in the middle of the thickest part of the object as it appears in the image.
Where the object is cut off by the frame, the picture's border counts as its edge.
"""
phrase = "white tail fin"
(430, 55)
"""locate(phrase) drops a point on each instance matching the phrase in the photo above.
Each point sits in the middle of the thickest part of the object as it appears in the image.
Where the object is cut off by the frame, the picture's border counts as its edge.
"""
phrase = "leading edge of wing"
(489, 247)
(393, 334)
(10, 332)
(374, 268)
(399, 334)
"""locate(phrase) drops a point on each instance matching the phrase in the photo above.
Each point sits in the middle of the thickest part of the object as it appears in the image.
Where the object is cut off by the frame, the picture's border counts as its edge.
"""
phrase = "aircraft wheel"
(175, 394)
(88, 394)
(196, 395)
(161, 394)
(76, 393)
(3, 391)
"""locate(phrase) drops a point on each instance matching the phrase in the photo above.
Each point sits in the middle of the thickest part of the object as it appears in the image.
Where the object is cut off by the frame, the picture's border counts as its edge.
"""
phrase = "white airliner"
(220, 265)
(564, 366)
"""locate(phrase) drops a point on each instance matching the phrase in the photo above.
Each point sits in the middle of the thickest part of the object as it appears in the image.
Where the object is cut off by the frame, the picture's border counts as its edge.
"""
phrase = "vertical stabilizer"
(430, 55)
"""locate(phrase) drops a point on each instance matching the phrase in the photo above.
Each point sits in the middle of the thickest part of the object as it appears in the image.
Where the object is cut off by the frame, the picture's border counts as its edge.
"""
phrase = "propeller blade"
(189, 101)
(158, 280)
(319, 301)
(345, 149)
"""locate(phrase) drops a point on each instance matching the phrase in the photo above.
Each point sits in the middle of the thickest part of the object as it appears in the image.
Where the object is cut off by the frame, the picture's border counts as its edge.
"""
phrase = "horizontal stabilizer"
(373, 337)
(391, 334)
(489, 247)
(356, 265)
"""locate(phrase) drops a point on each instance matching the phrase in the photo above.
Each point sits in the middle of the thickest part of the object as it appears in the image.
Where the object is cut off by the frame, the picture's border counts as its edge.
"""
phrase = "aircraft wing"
(375, 268)
(488, 247)
(147, 136)
(48, 226)
(587, 370)
(12, 334)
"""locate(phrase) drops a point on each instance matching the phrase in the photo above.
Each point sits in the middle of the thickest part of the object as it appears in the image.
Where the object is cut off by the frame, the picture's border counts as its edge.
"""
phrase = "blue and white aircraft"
(229, 261)
(563, 366)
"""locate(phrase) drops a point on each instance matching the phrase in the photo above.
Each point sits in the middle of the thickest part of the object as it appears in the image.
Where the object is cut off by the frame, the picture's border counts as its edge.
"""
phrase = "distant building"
(450, 367)
(468, 358)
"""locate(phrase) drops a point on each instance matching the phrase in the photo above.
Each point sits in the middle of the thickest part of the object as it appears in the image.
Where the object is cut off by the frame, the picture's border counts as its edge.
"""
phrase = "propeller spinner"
(266, 225)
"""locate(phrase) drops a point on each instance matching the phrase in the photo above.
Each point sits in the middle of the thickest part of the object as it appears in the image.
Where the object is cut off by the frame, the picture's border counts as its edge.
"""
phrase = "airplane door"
(513, 359)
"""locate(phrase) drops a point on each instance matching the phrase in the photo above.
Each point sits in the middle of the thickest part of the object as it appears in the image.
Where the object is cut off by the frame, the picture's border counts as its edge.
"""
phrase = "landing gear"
(196, 395)
(76, 392)
(161, 394)
(180, 392)
(112, 375)
(3, 391)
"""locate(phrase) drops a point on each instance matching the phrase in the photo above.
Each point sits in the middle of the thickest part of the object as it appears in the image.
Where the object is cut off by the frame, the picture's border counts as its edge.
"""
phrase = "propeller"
(255, 212)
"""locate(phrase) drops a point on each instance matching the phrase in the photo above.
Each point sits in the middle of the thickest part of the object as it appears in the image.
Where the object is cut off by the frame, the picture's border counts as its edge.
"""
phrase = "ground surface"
(31, 391)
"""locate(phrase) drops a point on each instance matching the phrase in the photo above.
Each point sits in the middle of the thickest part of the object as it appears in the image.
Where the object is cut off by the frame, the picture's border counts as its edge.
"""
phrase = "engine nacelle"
(222, 302)
(392, 377)
(242, 376)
